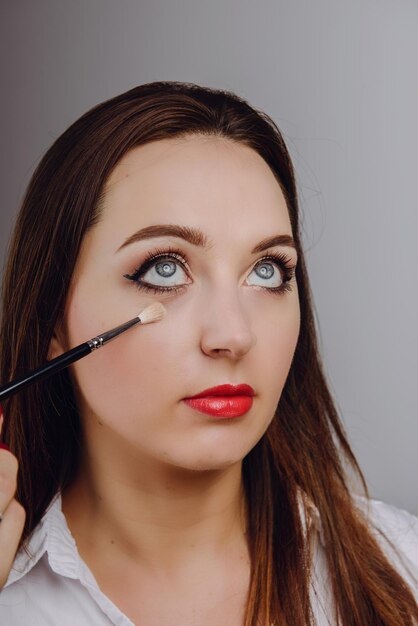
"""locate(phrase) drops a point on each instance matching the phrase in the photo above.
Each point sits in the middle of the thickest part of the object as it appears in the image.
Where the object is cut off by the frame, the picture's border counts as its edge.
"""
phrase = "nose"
(226, 330)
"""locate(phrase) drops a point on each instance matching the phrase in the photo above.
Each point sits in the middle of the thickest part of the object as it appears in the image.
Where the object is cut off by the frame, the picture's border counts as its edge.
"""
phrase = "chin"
(217, 452)
(208, 463)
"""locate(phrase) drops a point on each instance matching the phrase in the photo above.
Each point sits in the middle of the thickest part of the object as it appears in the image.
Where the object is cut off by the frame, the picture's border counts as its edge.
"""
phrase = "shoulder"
(396, 531)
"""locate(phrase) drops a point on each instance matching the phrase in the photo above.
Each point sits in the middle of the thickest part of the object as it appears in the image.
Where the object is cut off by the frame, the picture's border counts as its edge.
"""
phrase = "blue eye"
(273, 273)
(165, 273)
(265, 274)
(161, 272)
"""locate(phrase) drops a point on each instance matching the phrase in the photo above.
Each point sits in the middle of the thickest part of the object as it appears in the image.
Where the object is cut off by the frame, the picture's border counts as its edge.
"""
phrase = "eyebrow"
(197, 238)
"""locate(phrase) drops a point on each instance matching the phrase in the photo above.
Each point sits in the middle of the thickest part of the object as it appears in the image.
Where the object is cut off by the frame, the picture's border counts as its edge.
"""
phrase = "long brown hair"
(304, 450)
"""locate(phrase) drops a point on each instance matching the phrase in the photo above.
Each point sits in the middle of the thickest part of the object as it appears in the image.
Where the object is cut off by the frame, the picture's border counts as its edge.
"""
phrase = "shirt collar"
(53, 537)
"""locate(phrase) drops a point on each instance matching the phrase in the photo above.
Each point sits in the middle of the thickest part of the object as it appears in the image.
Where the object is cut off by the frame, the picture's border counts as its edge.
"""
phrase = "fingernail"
(4, 447)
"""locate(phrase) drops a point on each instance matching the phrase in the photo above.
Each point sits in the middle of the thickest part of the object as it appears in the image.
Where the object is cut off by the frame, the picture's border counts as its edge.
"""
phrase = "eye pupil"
(165, 268)
(265, 271)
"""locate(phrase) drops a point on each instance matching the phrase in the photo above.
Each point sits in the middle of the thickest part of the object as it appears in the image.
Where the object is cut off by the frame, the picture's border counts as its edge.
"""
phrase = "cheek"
(276, 342)
(123, 376)
(288, 337)
(130, 374)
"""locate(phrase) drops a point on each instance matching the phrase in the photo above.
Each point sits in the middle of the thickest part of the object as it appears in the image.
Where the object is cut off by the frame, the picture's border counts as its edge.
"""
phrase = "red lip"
(226, 390)
(223, 401)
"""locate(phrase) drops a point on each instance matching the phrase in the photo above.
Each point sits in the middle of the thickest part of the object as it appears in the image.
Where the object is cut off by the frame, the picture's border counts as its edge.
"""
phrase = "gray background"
(340, 79)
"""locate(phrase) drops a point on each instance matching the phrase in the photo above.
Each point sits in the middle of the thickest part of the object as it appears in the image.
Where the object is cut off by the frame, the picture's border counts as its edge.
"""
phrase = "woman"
(193, 471)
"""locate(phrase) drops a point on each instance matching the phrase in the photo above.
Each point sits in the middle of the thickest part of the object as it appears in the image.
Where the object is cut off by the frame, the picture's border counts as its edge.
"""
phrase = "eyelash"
(284, 263)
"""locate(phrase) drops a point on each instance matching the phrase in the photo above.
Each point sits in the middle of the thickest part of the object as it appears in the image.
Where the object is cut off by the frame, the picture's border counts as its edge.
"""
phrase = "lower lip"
(222, 406)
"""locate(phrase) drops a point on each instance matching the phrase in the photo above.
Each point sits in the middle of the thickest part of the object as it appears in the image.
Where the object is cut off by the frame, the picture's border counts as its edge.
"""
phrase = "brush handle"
(51, 367)
(55, 365)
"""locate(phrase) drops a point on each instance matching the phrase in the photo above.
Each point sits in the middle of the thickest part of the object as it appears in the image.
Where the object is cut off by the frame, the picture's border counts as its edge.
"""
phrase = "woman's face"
(232, 311)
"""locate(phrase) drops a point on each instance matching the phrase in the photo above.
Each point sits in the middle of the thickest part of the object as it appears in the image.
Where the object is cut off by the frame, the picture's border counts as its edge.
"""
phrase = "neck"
(159, 516)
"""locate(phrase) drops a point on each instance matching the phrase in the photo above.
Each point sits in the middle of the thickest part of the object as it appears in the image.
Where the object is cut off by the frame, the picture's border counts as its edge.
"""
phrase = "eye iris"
(166, 269)
(265, 271)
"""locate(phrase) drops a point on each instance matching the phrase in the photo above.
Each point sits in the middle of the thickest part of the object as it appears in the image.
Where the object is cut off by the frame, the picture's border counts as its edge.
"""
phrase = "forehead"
(195, 178)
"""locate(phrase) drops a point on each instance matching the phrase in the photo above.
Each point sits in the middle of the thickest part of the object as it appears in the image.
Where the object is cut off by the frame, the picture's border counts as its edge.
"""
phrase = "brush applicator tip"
(152, 313)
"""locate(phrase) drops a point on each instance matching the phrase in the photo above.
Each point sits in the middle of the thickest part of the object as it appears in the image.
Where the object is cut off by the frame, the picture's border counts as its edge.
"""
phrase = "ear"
(55, 348)
(57, 345)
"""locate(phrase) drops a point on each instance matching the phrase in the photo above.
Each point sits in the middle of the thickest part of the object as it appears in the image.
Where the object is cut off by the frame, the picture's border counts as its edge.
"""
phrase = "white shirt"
(55, 586)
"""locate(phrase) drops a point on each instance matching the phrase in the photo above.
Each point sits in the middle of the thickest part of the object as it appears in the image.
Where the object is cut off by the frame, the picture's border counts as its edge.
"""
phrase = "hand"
(13, 513)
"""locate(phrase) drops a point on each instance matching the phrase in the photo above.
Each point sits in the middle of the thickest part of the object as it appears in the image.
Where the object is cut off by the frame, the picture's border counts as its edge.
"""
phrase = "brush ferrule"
(95, 343)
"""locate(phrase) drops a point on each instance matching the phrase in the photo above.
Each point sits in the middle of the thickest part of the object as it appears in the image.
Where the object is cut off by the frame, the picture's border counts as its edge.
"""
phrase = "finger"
(12, 513)
(11, 529)
(8, 479)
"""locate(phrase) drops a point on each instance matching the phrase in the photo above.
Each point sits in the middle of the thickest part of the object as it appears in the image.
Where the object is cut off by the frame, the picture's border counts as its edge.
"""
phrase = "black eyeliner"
(285, 264)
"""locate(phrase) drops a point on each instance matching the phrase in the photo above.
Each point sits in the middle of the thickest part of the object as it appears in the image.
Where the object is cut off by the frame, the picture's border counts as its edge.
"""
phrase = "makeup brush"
(151, 313)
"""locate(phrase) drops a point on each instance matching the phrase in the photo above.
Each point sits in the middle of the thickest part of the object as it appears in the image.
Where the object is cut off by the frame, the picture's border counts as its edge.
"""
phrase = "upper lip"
(226, 390)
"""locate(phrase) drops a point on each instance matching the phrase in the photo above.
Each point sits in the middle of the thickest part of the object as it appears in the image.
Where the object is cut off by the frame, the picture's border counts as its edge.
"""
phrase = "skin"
(157, 509)
(11, 526)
